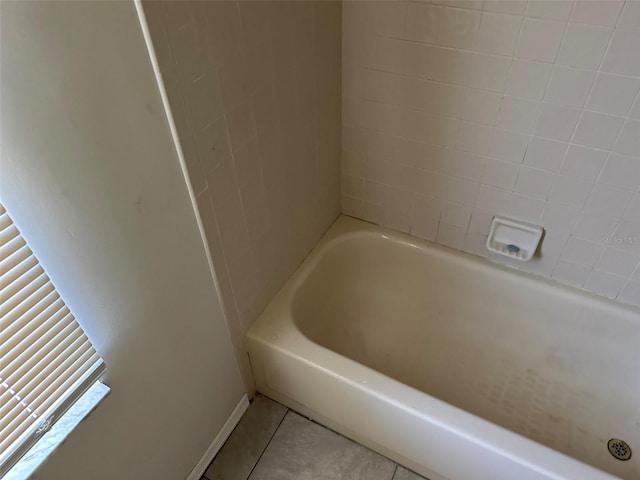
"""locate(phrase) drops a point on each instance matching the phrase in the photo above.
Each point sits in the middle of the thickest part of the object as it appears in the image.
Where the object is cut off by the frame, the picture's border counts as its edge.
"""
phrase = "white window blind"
(46, 360)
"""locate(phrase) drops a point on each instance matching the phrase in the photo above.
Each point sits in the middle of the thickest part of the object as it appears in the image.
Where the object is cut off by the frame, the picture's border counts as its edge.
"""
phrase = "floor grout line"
(268, 443)
(395, 470)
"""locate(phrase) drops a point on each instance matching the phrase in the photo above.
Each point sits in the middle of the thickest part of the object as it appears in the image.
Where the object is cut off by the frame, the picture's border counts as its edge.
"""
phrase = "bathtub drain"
(619, 449)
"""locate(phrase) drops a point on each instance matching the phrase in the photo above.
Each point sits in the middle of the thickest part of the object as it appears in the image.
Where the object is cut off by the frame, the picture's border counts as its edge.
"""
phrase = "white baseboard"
(222, 436)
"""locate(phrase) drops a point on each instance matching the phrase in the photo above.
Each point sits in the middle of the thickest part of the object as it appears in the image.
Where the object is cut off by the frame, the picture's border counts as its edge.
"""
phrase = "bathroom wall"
(456, 111)
(89, 172)
(255, 92)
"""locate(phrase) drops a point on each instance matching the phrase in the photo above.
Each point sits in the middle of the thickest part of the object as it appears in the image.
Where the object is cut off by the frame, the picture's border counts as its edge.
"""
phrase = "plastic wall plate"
(514, 239)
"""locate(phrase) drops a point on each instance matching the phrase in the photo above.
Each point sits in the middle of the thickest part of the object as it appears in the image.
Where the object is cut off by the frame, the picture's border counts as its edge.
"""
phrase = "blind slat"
(47, 359)
(36, 340)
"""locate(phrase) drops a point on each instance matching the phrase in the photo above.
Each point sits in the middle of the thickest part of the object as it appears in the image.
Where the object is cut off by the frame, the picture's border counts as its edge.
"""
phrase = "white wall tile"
(528, 79)
(466, 165)
(462, 192)
(622, 56)
(458, 27)
(630, 17)
(519, 114)
(554, 10)
(583, 163)
(635, 110)
(500, 174)
(422, 227)
(489, 72)
(621, 171)
(584, 46)
(540, 39)
(605, 284)
(545, 153)
(455, 215)
(581, 251)
(633, 209)
(617, 262)
(572, 274)
(237, 124)
(559, 216)
(475, 244)
(480, 106)
(528, 109)
(556, 122)
(498, 33)
(423, 22)
(597, 130)
(480, 222)
(533, 182)
(627, 237)
(509, 146)
(594, 228)
(378, 86)
(493, 199)
(450, 235)
(387, 18)
(597, 12)
(630, 293)
(569, 86)
(613, 94)
(570, 190)
(525, 208)
(512, 7)
(474, 137)
(607, 200)
(628, 142)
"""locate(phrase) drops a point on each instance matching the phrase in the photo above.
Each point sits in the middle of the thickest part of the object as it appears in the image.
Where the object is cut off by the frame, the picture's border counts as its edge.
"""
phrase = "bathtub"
(449, 365)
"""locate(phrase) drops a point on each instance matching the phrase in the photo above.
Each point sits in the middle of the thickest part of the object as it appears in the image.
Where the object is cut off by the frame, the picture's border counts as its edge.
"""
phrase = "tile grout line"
(268, 443)
(395, 470)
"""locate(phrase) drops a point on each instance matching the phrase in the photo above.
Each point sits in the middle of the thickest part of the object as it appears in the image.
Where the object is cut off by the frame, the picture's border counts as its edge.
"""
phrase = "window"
(46, 360)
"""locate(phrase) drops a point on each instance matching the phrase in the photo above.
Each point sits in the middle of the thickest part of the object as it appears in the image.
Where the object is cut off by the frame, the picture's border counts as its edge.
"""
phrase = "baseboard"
(222, 436)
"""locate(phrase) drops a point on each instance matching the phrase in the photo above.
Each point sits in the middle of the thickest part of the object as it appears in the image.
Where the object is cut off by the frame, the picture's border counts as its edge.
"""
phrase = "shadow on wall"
(254, 88)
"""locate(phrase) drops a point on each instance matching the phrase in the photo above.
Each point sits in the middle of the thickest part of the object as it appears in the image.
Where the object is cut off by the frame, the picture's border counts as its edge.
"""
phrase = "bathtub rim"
(278, 329)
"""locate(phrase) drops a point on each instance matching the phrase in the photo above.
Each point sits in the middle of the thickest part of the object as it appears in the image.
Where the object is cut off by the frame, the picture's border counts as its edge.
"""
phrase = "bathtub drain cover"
(619, 449)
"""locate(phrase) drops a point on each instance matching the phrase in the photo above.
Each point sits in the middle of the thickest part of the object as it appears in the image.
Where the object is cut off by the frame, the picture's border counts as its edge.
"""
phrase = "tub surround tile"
(303, 450)
(541, 105)
(248, 441)
(255, 92)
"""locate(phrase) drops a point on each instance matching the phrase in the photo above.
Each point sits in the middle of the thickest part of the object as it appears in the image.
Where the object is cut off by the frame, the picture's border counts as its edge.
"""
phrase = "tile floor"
(272, 442)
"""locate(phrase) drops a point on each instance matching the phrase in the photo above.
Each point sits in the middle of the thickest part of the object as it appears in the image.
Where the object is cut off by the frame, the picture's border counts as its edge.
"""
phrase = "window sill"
(42, 450)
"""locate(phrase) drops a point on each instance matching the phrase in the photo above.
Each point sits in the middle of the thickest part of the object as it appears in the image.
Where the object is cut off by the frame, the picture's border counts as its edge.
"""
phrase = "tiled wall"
(254, 88)
(456, 111)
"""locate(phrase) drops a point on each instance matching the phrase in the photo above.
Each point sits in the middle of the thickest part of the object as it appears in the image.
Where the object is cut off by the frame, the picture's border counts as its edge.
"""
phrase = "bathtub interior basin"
(529, 358)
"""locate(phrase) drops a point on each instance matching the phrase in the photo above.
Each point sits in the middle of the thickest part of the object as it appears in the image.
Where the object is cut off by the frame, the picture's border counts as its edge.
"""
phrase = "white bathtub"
(449, 365)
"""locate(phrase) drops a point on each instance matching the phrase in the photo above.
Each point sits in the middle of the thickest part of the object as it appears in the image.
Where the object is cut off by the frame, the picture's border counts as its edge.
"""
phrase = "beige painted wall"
(90, 174)
(456, 111)
(255, 92)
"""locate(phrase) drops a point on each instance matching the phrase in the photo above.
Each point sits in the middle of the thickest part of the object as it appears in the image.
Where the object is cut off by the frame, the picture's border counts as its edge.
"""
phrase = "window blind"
(46, 360)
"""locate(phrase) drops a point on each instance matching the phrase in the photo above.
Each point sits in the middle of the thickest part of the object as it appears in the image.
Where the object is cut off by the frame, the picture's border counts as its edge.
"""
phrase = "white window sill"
(46, 445)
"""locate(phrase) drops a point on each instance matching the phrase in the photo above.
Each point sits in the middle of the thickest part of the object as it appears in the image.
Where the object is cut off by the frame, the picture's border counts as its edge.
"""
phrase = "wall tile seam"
(610, 40)
(495, 125)
(484, 10)
(496, 92)
(223, 255)
(406, 76)
(474, 207)
(502, 55)
(524, 15)
(556, 173)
